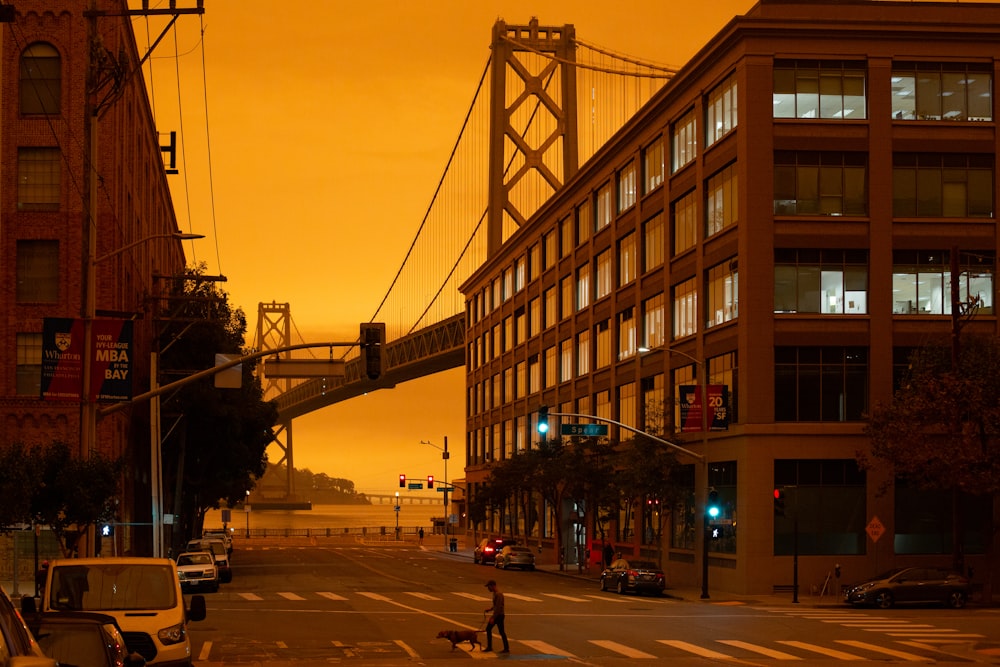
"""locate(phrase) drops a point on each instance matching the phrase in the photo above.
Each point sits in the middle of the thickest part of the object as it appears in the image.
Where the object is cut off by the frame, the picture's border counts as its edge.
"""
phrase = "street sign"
(442, 489)
(875, 529)
(720, 522)
(583, 429)
(414, 485)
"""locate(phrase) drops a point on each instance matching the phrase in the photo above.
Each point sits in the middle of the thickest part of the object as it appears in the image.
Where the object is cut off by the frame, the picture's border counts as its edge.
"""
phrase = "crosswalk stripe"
(523, 598)
(568, 598)
(422, 596)
(833, 653)
(626, 651)
(471, 596)
(902, 655)
(763, 650)
(694, 648)
(331, 596)
(375, 596)
(253, 597)
(545, 647)
(291, 596)
(608, 598)
(936, 635)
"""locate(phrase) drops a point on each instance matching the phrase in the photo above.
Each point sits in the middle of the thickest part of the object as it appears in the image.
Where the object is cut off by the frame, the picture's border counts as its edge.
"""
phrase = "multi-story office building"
(72, 89)
(784, 211)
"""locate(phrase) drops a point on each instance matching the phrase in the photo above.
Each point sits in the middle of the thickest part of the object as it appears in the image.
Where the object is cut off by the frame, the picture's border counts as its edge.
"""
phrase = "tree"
(940, 431)
(22, 477)
(216, 449)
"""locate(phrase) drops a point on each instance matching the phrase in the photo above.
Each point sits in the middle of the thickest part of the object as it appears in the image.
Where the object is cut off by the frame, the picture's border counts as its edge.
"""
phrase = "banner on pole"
(691, 405)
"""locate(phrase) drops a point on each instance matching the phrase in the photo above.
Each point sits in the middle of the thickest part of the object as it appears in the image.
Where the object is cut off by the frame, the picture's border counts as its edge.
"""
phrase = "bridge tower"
(533, 122)
(274, 331)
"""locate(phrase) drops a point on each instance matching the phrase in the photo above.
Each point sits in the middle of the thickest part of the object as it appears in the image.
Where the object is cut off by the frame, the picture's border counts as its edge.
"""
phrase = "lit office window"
(684, 141)
(604, 281)
(825, 89)
(626, 188)
(626, 334)
(627, 260)
(604, 210)
(720, 112)
(721, 205)
(653, 243)
(685, 308)
(583, 287)
(653, 166)
(653, 323)
(942, 91)
(831, 282)
(685, 212)
(723, 293)
(921, 281)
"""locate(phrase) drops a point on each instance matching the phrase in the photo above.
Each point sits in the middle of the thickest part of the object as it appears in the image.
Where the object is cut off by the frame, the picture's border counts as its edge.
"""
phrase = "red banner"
(110, 359)
(691, 405)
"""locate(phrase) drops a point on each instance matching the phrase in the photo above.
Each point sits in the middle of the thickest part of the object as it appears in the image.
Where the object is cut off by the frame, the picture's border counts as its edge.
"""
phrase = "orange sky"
(330, 123)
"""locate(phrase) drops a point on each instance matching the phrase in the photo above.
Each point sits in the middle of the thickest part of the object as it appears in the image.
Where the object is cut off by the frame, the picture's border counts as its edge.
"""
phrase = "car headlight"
(174, 634)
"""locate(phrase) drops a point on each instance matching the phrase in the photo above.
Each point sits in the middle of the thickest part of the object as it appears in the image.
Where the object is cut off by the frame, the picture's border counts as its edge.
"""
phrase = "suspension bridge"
(545, 103)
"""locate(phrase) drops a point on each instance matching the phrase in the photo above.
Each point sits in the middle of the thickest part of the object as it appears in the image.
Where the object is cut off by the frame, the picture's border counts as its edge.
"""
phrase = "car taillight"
(488, 549)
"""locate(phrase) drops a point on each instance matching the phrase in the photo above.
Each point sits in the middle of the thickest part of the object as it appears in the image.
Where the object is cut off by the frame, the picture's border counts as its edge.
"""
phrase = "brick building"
(66, 72)
(783, 211)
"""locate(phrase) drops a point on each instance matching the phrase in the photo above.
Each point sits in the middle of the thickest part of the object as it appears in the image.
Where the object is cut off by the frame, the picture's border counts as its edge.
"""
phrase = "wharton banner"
(718, 401)
(110, 360)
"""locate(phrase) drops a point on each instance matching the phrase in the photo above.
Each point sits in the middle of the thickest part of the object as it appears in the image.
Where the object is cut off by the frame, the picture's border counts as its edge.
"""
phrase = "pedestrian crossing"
(899, 628)
(409, 596)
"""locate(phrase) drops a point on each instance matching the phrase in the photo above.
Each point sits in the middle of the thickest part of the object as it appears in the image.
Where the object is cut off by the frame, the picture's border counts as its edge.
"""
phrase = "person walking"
(497, 618)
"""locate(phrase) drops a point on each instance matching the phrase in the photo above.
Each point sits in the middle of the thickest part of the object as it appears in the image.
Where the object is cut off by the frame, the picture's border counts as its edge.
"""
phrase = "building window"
(566, 243)
(723, 293)
(684, 141)
(566, 290)
(534, 317)
(520, 380)
(534, 375)
(723, 370)
(720, 113)
(942, 91)
(37, 271)
(627, 260)
(551, 308)
(942, 185)
(584, 221)
(603, 207)
(925, 520)
(685, 308)
(583, 353)
(653, 244)
(551, 249)
(551, 367)
(41, 79)
(38, 179)
(520, 326)
(653, 328)
(534, 261)
(520, 273)
(653, 166)
(626, 334)
(603, 282)
(834, 490)
(628, 409)
(921, 281)
(653, 404)
(583, 288)
(811, 183)
(566, 360)
(831, 282)
(811, 89)
(722, 200)
(508, 334)
(820, 384)
(603, 344)
(29, 364)
(507, 289)
(685, 212)
(626, 188)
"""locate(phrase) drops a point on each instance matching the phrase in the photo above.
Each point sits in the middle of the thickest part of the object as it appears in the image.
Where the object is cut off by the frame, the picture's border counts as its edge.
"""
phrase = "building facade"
(779, 219)
(72, 88)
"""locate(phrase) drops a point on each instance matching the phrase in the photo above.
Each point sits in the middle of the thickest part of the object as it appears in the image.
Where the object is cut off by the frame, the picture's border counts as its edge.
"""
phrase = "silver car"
(197, 571)
(515, 556)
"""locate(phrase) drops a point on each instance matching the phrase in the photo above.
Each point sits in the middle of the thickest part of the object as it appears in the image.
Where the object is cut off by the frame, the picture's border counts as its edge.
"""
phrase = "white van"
(142, 594)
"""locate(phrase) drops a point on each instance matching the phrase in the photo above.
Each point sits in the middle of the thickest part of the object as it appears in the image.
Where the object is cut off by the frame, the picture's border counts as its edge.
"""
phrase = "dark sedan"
(82, 639)
(912, 584)
(486, 551)
(640, 576)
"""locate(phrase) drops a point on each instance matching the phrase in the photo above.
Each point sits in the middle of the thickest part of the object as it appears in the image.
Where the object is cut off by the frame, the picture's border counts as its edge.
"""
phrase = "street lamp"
(88, 411)
(704, 451)
(445, 456)
(396, 508)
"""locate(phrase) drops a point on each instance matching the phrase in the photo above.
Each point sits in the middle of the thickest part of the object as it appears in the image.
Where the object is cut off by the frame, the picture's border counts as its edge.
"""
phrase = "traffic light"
(430, 481)
(372, 342)
(402, 481)
(107, 530)
(543, 421)
(779, 502)
(712, 508)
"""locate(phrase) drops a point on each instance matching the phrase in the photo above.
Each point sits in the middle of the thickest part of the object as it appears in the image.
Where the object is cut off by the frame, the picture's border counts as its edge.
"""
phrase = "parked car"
(486, 551)
(18, 647)
(640, 576)
(217, 548)
(197, 571)
(912, 584)
(515, 556)
(142, 594)
(219, 534)
(83, 639)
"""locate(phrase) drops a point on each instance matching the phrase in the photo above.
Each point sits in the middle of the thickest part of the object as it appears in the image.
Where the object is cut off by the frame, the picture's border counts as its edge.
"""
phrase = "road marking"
(281, 644)
(936, 635)
(608, 598)
(763, 650)
(375, 596)
(291, 596)
(253, 597)
(348, 652)
(568, 598)
(471, 596)
(627, 651)
(422, 596)
(694, 648)
(902, 655)
(523, 598)
(331, 596)
(545, 647)
(206, 648)
(409, 651)
(833, 653)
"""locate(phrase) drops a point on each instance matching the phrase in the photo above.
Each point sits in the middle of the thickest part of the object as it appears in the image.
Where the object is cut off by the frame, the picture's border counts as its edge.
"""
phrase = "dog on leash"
(456, 637)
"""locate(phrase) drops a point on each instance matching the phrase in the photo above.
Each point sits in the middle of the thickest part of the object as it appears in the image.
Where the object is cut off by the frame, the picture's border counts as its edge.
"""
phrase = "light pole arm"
(655, 438)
